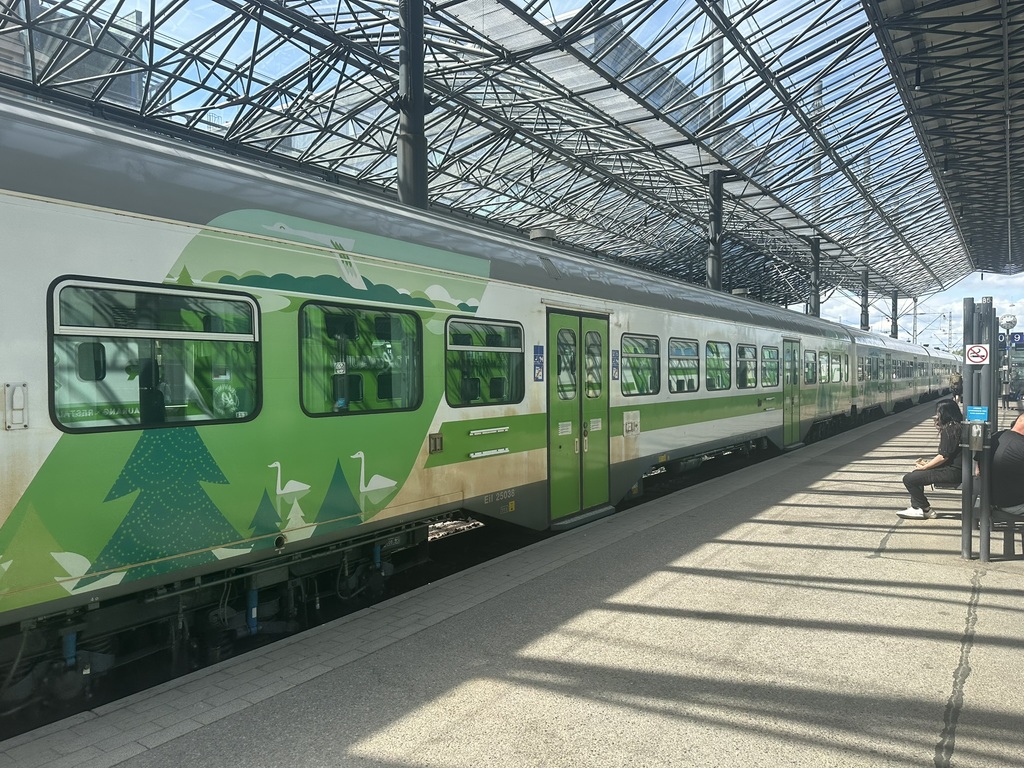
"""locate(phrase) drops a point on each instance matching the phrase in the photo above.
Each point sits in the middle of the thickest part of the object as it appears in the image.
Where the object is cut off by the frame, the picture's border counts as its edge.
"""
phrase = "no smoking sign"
(976, 354)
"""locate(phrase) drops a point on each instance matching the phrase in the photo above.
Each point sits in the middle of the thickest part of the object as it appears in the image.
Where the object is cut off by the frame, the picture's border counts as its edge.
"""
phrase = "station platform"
(780, 615)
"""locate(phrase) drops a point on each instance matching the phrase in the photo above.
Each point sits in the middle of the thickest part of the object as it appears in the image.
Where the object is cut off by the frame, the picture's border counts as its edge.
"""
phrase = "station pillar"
(865, 321)
(714, 262)
(412, 106)
(894, 328)
(814, 289)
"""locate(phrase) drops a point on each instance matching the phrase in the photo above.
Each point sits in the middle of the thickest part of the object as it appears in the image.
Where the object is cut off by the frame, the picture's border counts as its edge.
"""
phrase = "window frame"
(727, 367)
(694, 359)
(749, 360)
(623, 356)
(60, 328)
(377, 311)
(775, 362)
(448, 347)
(810, 366)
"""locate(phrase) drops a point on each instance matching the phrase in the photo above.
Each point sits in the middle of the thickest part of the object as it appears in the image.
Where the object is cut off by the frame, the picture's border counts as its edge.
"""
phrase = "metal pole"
(412, 105)
(865, 322)
(894, 328)
(814, 289)
(989, 385)
(967, 478)
(714, 261)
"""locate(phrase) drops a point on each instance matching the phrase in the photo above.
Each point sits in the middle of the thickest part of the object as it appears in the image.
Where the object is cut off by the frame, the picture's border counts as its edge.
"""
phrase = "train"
(232, 390)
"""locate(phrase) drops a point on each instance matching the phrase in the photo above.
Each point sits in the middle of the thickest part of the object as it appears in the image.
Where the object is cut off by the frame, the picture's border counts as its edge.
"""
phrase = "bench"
(1009, 525)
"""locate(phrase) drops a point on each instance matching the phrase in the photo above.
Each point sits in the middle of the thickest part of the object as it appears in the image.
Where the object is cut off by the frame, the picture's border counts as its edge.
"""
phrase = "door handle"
(577, 446)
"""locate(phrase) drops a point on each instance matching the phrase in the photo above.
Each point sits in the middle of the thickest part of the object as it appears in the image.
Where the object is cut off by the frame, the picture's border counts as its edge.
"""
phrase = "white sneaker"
(913, 513)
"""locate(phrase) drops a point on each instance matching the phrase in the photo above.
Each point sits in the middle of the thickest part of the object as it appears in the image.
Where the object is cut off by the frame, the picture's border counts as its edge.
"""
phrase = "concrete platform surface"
(782, 615)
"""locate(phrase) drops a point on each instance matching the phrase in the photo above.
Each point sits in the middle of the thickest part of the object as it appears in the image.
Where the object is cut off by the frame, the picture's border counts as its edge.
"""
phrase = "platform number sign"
(976, 354)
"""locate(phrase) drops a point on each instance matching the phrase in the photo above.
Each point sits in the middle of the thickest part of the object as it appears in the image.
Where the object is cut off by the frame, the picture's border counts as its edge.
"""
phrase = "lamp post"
(1008, 322)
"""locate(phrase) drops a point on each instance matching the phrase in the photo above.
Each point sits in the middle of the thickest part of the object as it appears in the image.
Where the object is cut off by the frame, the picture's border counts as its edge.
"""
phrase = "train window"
(683, 365)
(358, 360)
(484, 363)
(846, 368)
(147, 355)
(641, 365)
(566, 362)
(837, 367)
(823, 362)
(594, 363)
(718, 365)
(769, 366)
(746, 366)
(810, 367)
(860, 369)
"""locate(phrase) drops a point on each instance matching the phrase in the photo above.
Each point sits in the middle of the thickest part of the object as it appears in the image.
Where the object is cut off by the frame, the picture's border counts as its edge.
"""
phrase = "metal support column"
(714, 262)
(980, 391)
(865, 322)
(894, 328)
(814, 289)
(967, 476)
(412, 105)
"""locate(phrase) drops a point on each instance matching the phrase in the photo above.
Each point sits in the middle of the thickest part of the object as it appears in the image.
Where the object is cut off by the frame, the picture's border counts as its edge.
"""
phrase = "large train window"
(718, 365)
(823, 363)
(837, 367)
(769, 366)
(746, 366)
(683, 365)
(359, 360)
(810, 367)
(129, 356)
(484, 362)
(641, 365)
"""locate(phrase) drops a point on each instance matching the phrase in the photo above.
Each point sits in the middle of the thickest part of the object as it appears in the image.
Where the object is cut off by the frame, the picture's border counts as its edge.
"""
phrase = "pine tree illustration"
(172, 512)
(266, 520)
(339, 509)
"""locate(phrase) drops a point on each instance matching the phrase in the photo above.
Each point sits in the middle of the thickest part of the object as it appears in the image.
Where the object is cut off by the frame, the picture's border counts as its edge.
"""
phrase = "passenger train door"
(791, 374)
(577, 412)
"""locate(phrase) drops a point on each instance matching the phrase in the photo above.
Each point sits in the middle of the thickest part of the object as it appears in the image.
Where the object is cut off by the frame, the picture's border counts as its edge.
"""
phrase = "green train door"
(577, 412)
(790, 392)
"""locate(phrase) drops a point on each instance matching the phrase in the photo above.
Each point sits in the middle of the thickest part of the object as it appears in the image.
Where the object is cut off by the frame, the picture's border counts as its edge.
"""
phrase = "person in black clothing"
(945, 467)
(956, 386)
(1008, 468)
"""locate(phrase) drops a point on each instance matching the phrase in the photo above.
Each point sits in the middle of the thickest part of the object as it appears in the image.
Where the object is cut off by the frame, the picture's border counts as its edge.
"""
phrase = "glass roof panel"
(599, 120)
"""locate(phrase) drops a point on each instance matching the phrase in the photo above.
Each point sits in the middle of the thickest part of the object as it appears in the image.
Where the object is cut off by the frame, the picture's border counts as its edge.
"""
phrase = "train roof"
(58, 154)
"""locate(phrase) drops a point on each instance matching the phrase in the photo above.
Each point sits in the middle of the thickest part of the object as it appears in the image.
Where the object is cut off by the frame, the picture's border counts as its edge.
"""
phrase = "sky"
(935, 312)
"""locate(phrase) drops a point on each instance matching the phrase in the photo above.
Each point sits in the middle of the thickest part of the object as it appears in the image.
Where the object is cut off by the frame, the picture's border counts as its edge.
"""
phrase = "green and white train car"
(226, 386)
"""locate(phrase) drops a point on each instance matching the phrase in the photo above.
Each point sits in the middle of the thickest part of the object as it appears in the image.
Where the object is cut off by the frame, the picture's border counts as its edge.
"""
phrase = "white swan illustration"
(377, 482)
(293, 489)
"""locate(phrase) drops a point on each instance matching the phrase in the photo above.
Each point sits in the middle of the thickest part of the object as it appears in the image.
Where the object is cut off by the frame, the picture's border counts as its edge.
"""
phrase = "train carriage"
(227, 387)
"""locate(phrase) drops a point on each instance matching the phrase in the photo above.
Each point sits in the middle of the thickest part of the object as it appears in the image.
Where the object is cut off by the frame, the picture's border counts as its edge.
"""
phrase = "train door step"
(565, 523)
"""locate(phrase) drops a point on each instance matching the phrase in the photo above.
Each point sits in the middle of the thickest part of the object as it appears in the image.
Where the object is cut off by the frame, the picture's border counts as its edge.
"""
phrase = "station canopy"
(855, 123)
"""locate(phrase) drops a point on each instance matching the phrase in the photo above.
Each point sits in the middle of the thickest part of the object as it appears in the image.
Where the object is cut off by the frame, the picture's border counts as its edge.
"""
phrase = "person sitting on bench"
(946, 467)
(1007, 449)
